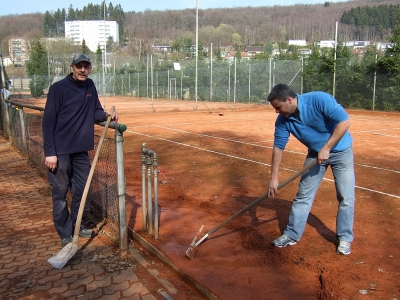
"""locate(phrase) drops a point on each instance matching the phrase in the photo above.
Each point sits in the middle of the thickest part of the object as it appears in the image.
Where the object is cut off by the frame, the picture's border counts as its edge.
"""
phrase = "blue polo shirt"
(319, 114)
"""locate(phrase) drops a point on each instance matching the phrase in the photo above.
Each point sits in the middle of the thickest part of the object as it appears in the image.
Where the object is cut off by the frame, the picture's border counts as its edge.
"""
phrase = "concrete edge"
(182, 275)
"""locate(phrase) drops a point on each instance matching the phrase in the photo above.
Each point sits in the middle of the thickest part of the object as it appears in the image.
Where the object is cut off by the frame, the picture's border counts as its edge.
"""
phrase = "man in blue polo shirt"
(321, 124)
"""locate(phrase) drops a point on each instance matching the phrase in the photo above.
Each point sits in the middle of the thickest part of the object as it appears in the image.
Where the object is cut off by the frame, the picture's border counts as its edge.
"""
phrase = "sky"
(18, 7)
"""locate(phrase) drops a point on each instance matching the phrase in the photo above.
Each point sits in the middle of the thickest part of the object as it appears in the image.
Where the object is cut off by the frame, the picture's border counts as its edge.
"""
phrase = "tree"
(390, 63)
(269, 48)
(84, 48)
(99, 56)
(218, 54)
(37, 69)
(48, 25)
(71, 14)
(110, 43)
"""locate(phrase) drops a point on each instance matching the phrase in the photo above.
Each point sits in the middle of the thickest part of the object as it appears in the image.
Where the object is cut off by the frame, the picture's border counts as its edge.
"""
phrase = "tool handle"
(255, 202)
(89, 180)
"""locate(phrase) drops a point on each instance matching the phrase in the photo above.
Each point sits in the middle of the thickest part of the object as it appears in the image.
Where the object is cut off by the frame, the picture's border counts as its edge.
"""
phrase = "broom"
(190, 252)
(60, 259)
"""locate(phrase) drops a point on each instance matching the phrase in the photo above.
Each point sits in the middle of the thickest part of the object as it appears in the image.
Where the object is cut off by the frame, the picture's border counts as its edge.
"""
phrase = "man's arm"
(337, 134)
(277, 154)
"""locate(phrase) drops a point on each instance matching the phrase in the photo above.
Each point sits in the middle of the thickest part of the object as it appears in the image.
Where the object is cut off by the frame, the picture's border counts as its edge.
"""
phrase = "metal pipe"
(23, 133)
(121, 188)
(149, 198)
(155, 172)
(150, 160)
(143, 160)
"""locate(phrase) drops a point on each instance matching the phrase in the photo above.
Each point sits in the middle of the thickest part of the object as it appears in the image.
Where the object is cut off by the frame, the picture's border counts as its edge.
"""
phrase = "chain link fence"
(354, 83)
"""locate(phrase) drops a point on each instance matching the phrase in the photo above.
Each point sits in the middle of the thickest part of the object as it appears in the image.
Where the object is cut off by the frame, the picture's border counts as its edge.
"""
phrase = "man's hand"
(323, 155)
(273, 188)
(114, 116)
(51, 162)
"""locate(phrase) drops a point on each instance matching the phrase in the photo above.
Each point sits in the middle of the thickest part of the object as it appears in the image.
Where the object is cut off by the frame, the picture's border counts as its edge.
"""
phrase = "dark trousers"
(71, 173)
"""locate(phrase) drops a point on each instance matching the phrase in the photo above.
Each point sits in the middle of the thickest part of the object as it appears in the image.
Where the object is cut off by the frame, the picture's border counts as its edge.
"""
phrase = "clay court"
(215, 160)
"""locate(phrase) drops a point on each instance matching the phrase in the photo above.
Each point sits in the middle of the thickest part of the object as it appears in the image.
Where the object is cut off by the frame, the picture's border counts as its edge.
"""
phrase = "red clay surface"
(216, 160)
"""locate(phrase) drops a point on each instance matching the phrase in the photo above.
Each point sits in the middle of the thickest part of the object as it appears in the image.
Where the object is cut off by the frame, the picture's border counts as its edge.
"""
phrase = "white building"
(298, 42)
(325, 44)
(94, 33)
(357, 44)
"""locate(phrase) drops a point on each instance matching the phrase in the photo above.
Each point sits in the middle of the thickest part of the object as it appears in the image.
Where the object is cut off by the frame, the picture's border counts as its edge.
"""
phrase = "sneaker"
(86, 233)
(343, 248)
(66, 241)
(283, 241)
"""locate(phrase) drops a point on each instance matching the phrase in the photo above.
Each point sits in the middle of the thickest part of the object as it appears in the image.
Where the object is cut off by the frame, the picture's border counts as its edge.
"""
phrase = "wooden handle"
(89, 180)
(255, 202)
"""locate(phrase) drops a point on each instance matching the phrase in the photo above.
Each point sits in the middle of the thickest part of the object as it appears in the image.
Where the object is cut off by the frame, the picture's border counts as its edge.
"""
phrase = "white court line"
(374, 130)
(225, 139)
(267, 147)
(381, 134)
(249, 160)
(196, 123)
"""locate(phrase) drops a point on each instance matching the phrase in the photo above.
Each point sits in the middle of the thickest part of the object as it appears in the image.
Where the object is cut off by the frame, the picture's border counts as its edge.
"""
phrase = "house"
(253, 50)
(162, 48)
(357, 44)
(325, 44)
(300, 43)
(230, 55)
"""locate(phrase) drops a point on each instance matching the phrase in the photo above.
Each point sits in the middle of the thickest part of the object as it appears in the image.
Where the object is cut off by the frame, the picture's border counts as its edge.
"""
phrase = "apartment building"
(95, 33)
(19, 51)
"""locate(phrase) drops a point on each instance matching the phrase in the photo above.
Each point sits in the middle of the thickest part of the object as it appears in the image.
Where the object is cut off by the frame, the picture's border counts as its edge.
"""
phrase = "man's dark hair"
(280, 92)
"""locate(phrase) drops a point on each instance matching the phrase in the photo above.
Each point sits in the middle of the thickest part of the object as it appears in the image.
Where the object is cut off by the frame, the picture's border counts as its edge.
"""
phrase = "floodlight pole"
(105, 58)
(197, 42)
(334, 63)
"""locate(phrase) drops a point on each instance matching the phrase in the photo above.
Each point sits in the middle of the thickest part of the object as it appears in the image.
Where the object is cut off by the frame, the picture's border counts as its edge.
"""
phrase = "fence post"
(23, 133)
(121, 188)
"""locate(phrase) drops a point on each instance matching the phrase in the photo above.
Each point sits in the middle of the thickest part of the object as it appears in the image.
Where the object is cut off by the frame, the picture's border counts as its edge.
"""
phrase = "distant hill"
(255, 25)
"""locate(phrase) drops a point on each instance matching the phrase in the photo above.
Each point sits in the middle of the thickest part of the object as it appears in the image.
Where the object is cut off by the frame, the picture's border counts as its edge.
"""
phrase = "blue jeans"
(71, 173)
(343, 172)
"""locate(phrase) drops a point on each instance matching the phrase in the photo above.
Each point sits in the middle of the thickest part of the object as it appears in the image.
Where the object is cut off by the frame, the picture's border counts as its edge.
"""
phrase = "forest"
(364, 20)
(367, 81)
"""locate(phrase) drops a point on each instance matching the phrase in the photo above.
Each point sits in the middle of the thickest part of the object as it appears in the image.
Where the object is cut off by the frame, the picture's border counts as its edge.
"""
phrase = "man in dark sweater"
(71, 110)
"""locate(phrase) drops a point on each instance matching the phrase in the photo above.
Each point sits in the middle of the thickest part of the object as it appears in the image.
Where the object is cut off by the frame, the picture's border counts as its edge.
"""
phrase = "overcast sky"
(32, 6)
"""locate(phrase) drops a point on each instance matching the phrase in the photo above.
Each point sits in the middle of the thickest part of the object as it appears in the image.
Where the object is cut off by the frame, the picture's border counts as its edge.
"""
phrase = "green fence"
(353, 83)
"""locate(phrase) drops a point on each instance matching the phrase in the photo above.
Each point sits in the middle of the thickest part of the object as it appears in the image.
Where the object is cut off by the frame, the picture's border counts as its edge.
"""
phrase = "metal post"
(152, 83)
(155, 173)
(211, 73)
(334, 64)
(249, 83)
(121, 188)
(143, 160)
(23, 133)
(301, 77)
(234, 87)
(149, 198)
(374, 93)
(147, 77)
(270, 74)
(197, 49)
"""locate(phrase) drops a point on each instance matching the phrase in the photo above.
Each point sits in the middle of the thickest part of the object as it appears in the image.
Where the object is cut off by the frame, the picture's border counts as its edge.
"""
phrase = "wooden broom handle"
(89, 180)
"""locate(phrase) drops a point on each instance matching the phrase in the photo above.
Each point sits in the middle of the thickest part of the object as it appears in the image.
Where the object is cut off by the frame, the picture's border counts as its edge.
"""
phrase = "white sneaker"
(283, 241)
(344, 248)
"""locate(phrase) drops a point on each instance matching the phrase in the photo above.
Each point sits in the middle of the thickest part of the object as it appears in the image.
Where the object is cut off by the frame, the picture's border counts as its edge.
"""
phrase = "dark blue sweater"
(71, 109)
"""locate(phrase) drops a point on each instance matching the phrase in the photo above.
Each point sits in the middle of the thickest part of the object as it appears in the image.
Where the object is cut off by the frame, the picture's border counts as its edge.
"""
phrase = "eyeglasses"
(82, 65)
